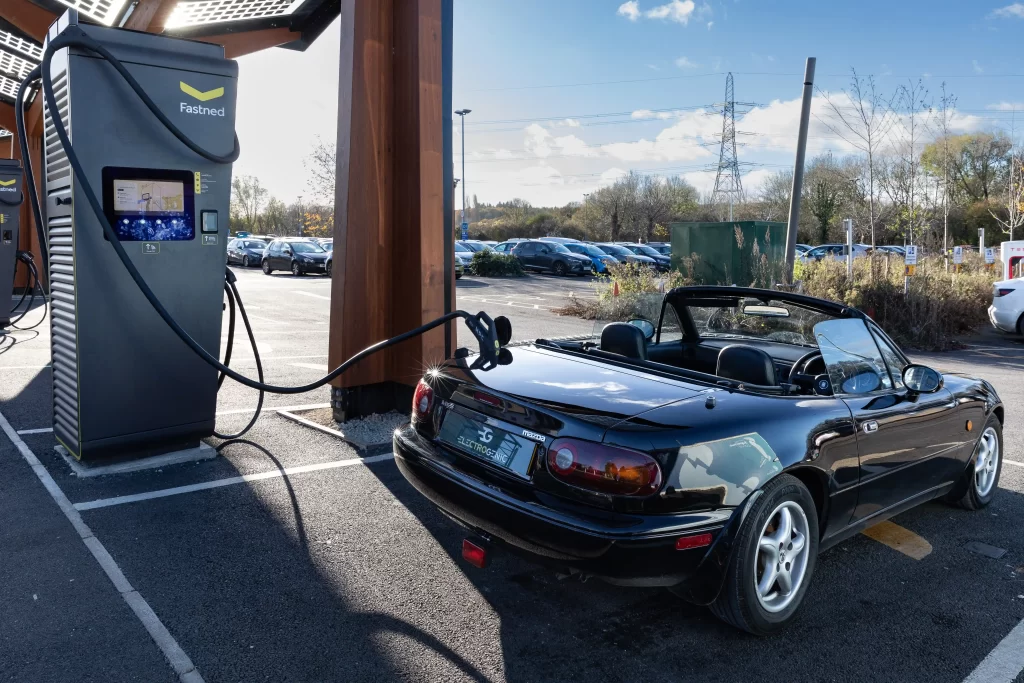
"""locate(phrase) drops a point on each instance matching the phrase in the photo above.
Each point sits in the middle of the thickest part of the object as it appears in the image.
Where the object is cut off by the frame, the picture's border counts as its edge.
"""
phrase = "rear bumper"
(623, 549)
(1002, 319)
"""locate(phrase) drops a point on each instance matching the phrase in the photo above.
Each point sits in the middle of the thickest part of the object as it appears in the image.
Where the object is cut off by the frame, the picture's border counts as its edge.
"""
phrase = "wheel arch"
(817, 483)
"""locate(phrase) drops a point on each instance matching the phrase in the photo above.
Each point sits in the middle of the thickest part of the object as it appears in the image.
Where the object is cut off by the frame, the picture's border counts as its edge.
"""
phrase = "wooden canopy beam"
(27, 17)
(150, 15)
(239, 44)
(393, 250)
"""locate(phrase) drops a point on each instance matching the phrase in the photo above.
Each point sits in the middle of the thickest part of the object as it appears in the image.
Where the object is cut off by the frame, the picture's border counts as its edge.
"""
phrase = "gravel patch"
(375, 429)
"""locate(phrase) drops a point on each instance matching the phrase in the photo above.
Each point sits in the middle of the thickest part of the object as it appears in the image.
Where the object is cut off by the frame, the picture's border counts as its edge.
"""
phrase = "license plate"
(488, 443)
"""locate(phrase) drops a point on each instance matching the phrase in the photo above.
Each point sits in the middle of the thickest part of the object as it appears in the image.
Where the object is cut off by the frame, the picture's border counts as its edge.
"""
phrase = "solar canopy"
(20, 52)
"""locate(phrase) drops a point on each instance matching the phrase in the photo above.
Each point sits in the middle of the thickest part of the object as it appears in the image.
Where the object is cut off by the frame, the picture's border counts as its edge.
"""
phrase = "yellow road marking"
(899, 539)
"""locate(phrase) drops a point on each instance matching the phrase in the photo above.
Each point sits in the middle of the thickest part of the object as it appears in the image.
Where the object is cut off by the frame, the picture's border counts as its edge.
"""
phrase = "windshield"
(459, 247)
(589, 250)
(729, 321)
(306, 248)
(614, 250)
(646, 250)
(560, 248)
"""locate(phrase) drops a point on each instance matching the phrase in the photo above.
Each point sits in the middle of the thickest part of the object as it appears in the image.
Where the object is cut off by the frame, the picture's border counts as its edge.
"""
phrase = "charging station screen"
(158, 208)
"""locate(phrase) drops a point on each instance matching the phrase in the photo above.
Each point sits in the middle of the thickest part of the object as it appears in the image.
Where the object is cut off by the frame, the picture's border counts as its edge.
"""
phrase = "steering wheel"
(800, 366)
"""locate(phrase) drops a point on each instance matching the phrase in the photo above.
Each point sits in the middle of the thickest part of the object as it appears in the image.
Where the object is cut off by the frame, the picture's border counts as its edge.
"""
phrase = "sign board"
(958, 255)
(465, 230)
(911, 257)
(990, 255)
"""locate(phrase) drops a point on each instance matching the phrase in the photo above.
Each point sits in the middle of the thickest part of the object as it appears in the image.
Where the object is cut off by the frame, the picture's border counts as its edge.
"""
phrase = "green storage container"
(740, 253)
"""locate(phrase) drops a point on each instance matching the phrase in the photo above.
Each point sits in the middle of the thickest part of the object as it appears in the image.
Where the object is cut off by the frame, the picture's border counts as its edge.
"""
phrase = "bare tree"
(517, 211)
(774, 197)
(322, 165)
(247, 198)
(947, 105)
(654, 203)
(914, 104)
(864, 124)
(1014, 197)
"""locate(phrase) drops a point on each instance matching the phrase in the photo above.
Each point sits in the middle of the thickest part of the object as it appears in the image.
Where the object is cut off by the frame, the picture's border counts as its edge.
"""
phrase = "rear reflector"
(474, 554)
(685, 542)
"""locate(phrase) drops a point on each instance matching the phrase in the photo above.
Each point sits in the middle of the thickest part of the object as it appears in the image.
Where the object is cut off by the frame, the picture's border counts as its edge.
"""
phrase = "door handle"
(870, 427)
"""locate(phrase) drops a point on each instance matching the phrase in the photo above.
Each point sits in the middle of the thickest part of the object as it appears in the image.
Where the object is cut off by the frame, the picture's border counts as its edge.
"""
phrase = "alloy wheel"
(295, 270)
(245, 261)
(781, 560)
(986, 462)
(266, 267)
(559, 269)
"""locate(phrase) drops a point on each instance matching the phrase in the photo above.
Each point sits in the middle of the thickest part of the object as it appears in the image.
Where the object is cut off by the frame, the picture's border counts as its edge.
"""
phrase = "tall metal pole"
(798, 170)
(586, 215)
(462, 114)
(848, 226)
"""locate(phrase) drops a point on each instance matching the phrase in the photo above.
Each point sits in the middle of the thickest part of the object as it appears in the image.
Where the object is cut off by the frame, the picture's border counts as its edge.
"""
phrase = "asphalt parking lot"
(290, 558)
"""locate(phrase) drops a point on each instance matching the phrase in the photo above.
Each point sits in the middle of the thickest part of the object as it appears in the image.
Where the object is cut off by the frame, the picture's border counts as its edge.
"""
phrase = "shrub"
(492, 264)
(938, 305)
(637, 283)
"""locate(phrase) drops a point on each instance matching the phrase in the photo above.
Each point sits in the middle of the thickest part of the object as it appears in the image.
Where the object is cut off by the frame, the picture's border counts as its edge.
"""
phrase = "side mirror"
(645, 326)
(922, 379)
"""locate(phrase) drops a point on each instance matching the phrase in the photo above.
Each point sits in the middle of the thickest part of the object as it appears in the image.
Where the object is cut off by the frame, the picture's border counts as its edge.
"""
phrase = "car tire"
(981, 488)
(1020, 325)
(267, 270)
(296, 271)
(245, 261)
(740, 603)
(559, 269)
(329, 269)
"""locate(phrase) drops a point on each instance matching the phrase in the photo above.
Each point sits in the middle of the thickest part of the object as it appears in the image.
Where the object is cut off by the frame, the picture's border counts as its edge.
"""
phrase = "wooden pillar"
(392, 264)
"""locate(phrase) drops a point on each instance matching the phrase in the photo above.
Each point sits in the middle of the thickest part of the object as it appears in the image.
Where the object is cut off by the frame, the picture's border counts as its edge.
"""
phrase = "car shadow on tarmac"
(866, 602)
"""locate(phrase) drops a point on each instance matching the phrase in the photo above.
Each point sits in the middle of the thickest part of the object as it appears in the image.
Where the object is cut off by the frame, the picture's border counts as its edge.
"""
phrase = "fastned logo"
(201, 96)
(7, 185)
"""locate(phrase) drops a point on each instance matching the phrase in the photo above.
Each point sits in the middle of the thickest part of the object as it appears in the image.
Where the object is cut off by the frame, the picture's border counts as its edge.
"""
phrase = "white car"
(835, 251)
(1007, 306)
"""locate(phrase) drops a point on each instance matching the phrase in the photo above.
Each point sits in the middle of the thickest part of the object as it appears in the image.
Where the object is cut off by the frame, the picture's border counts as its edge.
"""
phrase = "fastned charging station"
(123, 382)
(10, 217)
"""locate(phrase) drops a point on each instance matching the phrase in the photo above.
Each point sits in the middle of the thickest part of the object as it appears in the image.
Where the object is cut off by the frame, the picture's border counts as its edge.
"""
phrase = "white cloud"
(686, 63)
(1016, 10)
(678, 11)
(541, 143)
(648, 114)
(1006, 106)
(978, 69)
(503, 154)
(611, 175)
(654, 67)
(572, 123)
(710, 24)
(682, 141)
(630, 10)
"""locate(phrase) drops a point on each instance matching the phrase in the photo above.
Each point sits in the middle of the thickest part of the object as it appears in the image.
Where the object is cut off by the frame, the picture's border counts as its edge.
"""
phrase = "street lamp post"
(462, 114)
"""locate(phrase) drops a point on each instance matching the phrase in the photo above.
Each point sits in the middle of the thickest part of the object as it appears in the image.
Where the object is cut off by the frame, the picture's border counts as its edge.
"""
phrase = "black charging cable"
(26, 158)
(480, 325)
(26, 258)
(233, 297)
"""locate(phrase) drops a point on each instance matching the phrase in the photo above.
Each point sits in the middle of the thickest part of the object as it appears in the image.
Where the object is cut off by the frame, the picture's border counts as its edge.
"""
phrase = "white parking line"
(24, 367)
(274, 474)
(1004, 663)
(322, 367)
(1013, 462)
(41, 430)
(177, 658)
(315, 296)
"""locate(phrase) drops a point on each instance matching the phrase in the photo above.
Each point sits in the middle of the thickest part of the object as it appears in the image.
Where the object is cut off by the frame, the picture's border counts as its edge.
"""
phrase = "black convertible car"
(714, 445)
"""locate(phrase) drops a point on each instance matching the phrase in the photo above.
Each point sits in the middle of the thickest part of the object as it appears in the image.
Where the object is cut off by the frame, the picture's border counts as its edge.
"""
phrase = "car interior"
(791, 363)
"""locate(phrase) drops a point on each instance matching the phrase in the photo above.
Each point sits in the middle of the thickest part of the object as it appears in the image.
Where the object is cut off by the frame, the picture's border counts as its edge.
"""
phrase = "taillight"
(602, 468)
(1001, 291)
(422, 402)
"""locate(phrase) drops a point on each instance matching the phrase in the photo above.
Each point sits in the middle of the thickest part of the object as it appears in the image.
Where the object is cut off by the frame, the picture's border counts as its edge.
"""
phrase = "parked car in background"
(598, 258)
(661, 262)
(463, 259)
(892, 249)
(663, 248)
(625, 255)
(475, 245)
(560, 240)
(551, 257)
(295, 254)
(506, 247)
(802, 249)
(1007, 310)
(246, 251)
(835, 251)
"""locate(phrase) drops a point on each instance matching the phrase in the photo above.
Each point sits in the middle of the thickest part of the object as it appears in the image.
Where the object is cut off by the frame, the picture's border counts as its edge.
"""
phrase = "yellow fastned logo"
(201, 96)
(7, 185)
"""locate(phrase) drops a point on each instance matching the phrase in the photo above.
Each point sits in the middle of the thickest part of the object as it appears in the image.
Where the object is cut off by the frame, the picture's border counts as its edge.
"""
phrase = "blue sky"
(568, 94)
